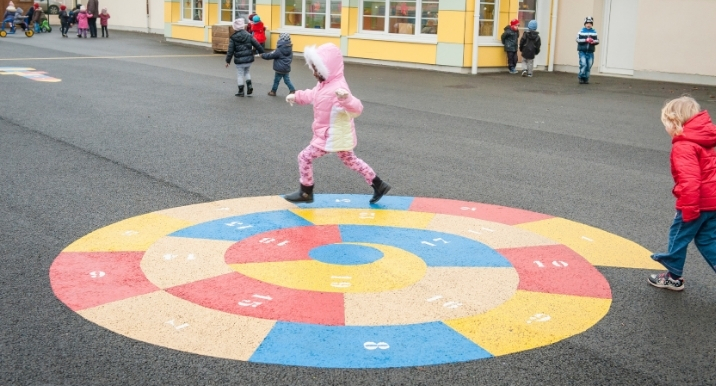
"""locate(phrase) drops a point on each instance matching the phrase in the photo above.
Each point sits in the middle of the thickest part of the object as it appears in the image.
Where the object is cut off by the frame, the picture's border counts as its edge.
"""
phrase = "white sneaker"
(524, 73)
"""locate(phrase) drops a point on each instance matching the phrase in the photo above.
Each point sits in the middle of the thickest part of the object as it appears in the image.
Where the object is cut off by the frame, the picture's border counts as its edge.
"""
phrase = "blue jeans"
(277, 79)
(586, 60)
(702, 231)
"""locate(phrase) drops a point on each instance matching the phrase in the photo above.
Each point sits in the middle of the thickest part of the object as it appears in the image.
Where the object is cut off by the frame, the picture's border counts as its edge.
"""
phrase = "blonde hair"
(676, 112)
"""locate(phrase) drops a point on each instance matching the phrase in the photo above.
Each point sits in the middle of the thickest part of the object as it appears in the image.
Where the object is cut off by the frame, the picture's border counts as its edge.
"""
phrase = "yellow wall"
(171, 12)
(301, 41)
(188, 33)
(454, 27)
(402, 52)
(213, 10)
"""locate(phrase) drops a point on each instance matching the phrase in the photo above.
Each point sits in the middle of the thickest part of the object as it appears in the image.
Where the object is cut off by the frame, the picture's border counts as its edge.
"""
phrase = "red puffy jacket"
(259, 32)
(693, 166)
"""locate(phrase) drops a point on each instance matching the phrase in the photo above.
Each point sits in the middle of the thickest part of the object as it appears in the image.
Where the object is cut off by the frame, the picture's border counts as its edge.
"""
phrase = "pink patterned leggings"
(310, 153)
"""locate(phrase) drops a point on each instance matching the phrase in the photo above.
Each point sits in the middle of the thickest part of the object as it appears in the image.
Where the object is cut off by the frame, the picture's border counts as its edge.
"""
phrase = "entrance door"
(620, 36)
(536, 10)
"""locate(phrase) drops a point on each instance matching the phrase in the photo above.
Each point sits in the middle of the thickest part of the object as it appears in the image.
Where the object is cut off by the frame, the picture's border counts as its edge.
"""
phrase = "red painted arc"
(487, 212)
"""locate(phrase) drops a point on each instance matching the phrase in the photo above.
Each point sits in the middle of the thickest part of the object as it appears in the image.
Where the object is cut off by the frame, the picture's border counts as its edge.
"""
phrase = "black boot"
(305, 194)
(249, 88)
(380, 188)
(241, 91)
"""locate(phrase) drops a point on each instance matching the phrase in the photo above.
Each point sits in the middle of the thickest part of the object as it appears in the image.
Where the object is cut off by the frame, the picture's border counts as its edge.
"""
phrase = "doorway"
(619, 40)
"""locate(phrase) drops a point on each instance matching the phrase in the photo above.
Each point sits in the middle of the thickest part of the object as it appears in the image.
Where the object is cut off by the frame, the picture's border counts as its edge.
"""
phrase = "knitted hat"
(104, 10)
(83, 8)
(10, 8)
(589, 20)
(36, 5)
(257, 19)
(532, 25)
(11, 4)
(63, 7)
(284, 37)
(514, 22)
(239, 24)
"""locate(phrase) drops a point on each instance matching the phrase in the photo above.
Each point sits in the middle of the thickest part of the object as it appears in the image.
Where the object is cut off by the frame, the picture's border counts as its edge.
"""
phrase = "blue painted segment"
(437, 249)
(345, 254)
(357, 201)
(240, 227)
(365, 346)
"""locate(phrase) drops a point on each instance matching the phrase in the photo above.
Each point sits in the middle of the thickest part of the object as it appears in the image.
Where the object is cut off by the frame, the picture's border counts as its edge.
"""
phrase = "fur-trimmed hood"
(328, 60)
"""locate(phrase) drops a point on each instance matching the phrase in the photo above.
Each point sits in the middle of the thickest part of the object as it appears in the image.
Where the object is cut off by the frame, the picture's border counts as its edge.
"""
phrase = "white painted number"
(466, 208)
(130, 233)
(171, 323)
(170, 256)
(267, 240)
(341, 284)
(365, 215)
(374, 345)
(558, 264)
(236, 224)
(96, 274)
(343, 200)
(450, 304)
(254, 304)
(540, 318)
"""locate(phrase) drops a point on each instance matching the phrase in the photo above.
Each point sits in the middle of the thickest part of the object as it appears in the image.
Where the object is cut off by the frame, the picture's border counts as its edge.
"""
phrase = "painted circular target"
(340, 283)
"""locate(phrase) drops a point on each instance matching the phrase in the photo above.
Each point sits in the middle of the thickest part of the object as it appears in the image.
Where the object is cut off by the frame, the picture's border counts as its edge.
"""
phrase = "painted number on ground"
(374, 345)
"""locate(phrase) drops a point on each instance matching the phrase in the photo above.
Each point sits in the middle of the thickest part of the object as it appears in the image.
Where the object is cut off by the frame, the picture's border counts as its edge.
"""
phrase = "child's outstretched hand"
(291, 99)
(342, 94)
(227, 65)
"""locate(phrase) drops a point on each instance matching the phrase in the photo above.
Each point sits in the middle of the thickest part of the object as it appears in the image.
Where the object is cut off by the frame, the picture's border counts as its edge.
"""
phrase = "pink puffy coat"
(82, 20)
(333, 126)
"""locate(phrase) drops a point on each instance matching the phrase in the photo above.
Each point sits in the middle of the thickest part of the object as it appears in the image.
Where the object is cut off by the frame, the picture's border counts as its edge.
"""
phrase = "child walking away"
(693, 167)
(587, 41)
(64, 20)
(282, 58)
(258, 30)
(82, 22)
(509, 40)
(103, 18)
(241, 46)
(529, 47)
(334, 109)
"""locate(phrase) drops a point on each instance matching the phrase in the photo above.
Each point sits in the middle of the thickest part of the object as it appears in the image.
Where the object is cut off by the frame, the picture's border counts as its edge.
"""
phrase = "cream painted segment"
(173, 261)
(530, 320)
(386, 218)
(133, 234)
(455, 23)
(162, 319)
(400, 52)
(598, 247)
(444, 293)
(215, 210)
(492, 234)
(396, 269)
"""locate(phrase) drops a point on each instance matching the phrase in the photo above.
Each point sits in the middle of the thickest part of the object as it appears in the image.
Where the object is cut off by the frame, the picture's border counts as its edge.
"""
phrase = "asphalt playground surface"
(138, 125)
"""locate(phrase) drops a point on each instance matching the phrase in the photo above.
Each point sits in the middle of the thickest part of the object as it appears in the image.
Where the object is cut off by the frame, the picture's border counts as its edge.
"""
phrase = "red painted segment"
(282, 244)
(239, 294)
(556, 269)
(88, 279)
(495, 213)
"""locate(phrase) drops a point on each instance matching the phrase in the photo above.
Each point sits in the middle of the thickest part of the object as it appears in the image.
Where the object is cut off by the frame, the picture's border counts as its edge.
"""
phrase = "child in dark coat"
(509, 40)
(529, 47)
(64, 20)
(282, 58)
(241, 46)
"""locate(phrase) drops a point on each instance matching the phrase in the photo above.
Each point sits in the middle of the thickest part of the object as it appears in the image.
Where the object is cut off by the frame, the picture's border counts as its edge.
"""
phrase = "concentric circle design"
(341, 283)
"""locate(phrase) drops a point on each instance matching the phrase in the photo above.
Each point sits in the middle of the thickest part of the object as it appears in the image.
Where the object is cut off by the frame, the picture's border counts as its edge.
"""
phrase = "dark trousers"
(511, 60)
(93, 26)
(65, 28)
(104, 30)
(277, 79)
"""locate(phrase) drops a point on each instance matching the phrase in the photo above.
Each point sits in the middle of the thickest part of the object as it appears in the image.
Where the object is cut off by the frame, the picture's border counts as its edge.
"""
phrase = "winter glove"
(291, 99)
(590, 40)
(342, 94)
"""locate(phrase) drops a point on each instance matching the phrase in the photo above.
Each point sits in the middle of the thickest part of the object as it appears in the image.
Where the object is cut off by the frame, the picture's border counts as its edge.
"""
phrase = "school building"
(646, 39)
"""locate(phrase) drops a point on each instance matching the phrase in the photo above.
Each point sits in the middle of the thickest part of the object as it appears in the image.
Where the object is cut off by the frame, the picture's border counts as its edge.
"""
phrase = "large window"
(400, 17)
(489, 9)
(193, 10)
(315, 14)
(234, 9)
(526, 13)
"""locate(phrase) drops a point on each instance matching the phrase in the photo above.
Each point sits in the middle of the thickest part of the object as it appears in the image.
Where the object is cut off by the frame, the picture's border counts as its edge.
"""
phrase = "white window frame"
(495, 38)
(252, 9)
(303, 28)
(416, 35)
(193, 10)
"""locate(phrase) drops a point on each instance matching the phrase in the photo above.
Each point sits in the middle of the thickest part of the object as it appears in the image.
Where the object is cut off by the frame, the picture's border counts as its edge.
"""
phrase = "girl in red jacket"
(258, 30)
(693, 166)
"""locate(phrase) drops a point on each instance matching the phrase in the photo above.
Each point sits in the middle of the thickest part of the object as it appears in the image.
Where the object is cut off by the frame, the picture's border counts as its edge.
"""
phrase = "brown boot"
(272, 93)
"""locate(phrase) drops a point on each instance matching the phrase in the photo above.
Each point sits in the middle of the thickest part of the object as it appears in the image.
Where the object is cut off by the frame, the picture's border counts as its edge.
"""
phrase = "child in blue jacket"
(282, 58)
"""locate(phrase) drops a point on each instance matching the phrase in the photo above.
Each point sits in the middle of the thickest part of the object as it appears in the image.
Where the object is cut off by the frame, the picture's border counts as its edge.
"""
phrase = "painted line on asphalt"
(110, 57)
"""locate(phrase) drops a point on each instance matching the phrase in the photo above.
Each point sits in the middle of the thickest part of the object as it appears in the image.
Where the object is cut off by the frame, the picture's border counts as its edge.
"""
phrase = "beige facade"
(135, 15)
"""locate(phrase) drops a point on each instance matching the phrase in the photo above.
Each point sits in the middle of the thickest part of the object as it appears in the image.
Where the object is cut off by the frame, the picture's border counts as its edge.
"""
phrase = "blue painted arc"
(238, 228)
(365, 346)
(345, 254)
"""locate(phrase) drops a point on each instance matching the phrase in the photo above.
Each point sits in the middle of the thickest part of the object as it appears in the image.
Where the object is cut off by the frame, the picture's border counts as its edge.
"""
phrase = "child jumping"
(509, 40)
(103, 18)
(529, 47)
(282, 58)
(693, 167)
(241, 46)
(334, 109)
